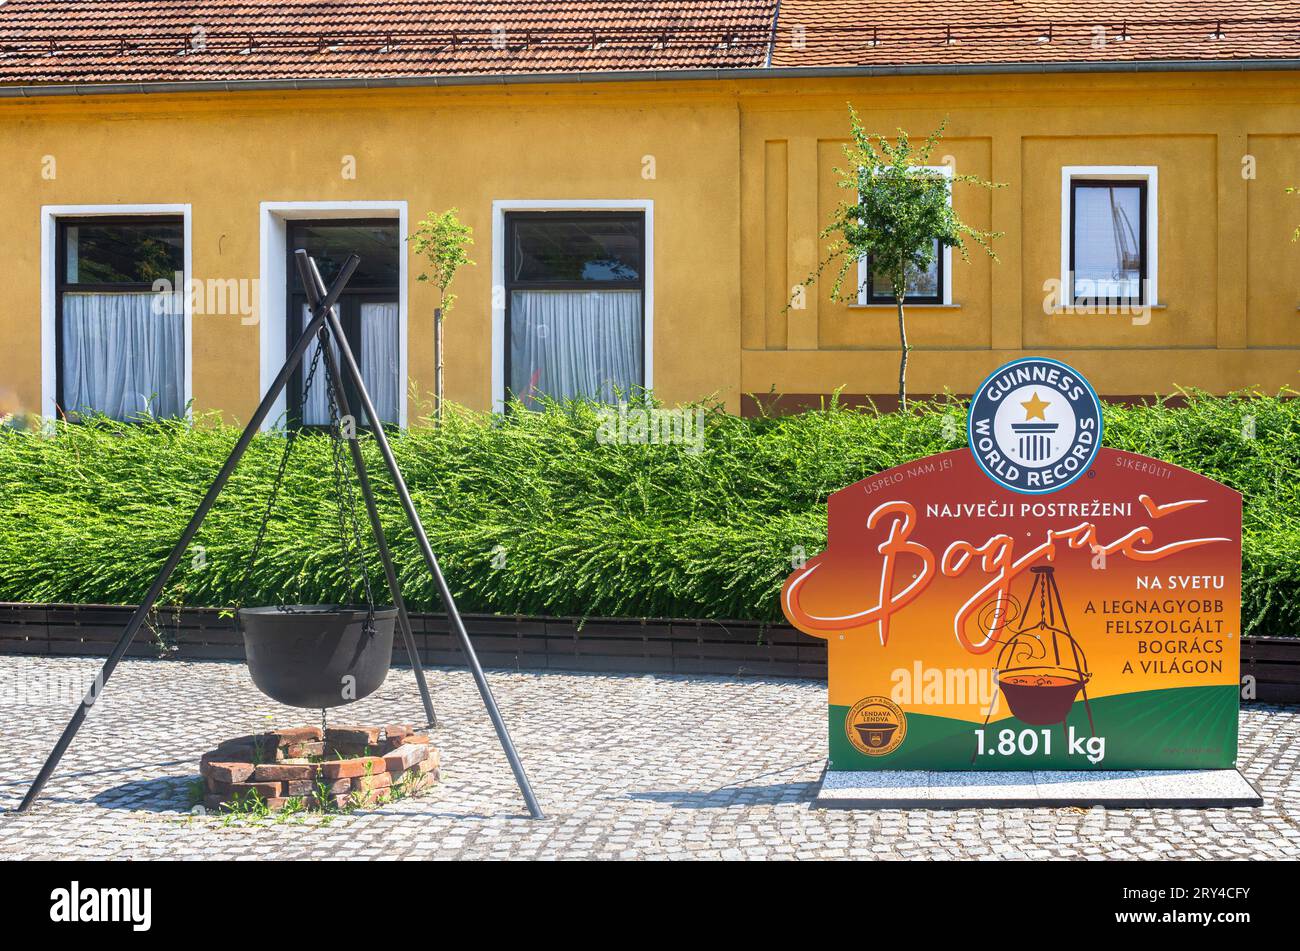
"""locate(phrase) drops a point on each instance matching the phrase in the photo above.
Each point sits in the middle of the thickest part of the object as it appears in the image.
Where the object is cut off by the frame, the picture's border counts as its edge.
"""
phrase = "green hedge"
(531, 514)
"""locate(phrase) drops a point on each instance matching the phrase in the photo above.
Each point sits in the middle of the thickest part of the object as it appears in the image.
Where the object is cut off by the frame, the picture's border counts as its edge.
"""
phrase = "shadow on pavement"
(731, 796)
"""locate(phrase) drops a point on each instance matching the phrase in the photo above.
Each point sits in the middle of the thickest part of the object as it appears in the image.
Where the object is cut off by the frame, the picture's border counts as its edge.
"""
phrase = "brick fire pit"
(334, 769)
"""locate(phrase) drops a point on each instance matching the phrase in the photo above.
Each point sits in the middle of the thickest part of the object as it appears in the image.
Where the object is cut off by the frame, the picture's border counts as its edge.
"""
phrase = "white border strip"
(273, 217)
(49, 235)
(499, 209)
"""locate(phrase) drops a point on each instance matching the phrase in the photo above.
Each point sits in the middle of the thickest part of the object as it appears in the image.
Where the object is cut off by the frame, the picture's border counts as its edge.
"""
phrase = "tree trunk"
(437, 363)
(902, 357)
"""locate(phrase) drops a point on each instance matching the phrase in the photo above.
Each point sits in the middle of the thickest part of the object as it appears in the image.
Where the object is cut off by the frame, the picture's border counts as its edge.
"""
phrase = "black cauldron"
(304, 654)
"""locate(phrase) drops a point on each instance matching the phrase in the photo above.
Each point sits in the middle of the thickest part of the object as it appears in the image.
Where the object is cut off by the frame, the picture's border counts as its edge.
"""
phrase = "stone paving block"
(671, 767)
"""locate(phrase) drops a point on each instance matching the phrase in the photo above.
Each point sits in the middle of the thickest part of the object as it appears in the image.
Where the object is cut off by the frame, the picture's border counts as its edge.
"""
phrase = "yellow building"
(642, 206)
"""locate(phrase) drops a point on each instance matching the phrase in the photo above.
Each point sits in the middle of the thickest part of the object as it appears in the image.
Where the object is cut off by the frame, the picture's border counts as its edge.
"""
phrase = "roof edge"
(653, 75)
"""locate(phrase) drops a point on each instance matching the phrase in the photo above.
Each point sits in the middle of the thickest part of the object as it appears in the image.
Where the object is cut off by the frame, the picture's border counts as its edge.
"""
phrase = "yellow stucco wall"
(742, 183)
(1229, 274)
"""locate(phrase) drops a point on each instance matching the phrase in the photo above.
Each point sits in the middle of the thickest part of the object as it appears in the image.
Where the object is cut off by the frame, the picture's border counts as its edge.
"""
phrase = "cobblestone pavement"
(625, 766)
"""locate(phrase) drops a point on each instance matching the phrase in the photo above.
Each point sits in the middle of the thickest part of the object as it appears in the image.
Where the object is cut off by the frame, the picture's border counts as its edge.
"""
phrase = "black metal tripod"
(324, 324)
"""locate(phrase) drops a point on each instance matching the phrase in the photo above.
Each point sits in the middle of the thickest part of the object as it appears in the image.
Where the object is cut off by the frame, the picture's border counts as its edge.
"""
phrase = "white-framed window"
(573, 299)
(1109, 234)
(374, 313)
(931, 286)
(116, 324)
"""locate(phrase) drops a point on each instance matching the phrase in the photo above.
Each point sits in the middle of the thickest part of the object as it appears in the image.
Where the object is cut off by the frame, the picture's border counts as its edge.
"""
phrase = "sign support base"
(1111, 789)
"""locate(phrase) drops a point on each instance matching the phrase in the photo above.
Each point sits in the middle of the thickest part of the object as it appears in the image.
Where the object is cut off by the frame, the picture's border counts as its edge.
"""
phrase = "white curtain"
(1107, 255)
(121, 358)
(315, 400)
(381, 367)
(575, 344)
(379, 360)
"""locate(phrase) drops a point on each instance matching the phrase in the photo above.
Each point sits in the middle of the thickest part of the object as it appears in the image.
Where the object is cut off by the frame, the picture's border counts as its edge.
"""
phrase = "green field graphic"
(1177, 728)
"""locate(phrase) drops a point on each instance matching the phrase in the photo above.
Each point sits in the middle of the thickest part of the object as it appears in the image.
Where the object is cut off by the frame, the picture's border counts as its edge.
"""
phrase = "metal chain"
(347, 502)
(291, 436)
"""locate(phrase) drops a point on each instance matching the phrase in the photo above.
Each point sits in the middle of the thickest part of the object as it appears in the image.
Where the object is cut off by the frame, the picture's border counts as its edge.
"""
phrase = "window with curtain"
(575, 294)
(119, 344)
(368, 311)
(1108, 241)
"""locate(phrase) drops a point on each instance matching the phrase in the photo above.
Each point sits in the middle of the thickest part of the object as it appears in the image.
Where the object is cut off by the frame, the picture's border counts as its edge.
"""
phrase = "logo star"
(1034, 408)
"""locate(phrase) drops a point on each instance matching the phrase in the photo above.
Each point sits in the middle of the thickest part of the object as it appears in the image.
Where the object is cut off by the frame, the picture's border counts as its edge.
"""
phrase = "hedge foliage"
(531, 514)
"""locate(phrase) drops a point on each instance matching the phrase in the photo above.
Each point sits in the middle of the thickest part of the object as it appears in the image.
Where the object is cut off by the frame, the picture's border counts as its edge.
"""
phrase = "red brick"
(341, 768)
(352, 735)
(265, 790)
(405, 756)
(373, 796)
(373, 781)
(432, 762)
(397, 730)
(224, 772)
(413, 781)
(300, 787)
(231, 753)
(337, 802)
(304, 750)
(301, 734)
(420, 739)
(260, 747)
(276, 772)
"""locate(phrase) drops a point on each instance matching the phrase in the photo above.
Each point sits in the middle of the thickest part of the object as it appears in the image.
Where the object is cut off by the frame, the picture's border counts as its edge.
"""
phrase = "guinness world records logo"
(1035, 425)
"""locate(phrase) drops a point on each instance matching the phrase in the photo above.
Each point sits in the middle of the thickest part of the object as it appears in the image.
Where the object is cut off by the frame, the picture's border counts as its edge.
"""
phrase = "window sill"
(1097, 310)
(893, 308)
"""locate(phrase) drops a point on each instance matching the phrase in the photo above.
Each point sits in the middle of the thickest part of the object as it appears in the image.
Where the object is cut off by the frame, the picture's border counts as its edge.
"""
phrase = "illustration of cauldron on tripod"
(1041, 669)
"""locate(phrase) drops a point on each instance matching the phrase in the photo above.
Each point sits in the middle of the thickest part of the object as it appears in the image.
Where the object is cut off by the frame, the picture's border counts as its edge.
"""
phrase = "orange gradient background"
(846, 578)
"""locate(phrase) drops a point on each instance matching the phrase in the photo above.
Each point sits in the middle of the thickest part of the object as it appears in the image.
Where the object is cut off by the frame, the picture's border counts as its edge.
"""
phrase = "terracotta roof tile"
(952, 32)
(115, 41)
(87, 41)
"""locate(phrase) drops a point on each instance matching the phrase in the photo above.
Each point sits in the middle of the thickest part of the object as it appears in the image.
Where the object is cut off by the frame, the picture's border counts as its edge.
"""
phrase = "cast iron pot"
(300, 654)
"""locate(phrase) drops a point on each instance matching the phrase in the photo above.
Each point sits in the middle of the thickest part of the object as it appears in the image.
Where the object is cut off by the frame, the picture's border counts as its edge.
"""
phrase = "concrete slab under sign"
(1113, 789)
